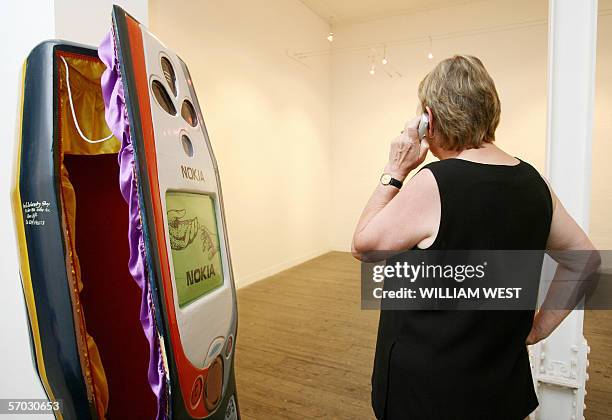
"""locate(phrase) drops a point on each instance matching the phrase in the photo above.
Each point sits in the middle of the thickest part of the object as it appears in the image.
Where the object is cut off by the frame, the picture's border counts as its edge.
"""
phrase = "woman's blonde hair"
(463, 100)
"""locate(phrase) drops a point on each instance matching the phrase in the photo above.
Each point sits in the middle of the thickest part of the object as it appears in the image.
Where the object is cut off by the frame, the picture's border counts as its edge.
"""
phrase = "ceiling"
(354, 11)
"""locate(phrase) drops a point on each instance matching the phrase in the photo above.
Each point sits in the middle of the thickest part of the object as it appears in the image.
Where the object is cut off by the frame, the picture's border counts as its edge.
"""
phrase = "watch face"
(385, 179)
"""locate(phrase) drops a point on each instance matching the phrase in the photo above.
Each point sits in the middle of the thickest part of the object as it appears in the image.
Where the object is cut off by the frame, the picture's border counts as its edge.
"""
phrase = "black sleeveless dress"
(438, 365)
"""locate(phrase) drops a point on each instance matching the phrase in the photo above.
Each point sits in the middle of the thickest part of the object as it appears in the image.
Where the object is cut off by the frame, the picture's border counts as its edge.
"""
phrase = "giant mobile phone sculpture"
(124, 257)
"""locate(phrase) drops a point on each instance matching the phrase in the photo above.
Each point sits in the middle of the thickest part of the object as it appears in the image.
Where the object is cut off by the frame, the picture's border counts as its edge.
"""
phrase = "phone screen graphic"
(194, 239)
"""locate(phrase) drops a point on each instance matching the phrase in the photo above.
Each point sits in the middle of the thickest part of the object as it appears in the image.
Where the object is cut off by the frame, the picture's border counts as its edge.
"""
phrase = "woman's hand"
(407, 151)
(544, 323)
(535, 335)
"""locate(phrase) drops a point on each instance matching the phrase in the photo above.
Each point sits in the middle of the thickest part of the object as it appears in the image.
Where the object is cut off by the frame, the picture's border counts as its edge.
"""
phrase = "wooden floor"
(305, 348)
(598, 332)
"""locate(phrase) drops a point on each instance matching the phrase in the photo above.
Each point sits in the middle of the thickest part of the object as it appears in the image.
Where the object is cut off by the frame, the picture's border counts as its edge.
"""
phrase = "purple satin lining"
(118, 122)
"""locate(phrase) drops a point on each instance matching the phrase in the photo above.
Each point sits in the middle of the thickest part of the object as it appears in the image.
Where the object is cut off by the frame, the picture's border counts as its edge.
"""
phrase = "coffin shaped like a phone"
(124, 256)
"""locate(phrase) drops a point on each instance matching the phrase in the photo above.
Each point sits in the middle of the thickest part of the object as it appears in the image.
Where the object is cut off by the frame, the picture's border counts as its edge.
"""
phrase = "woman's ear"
(430, 129)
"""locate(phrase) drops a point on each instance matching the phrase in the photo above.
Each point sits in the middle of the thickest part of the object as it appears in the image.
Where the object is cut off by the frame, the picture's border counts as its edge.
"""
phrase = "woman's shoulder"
(421, 188)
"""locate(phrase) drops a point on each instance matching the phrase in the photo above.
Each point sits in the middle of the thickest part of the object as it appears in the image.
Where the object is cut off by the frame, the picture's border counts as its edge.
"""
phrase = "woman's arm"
(577, 259)
(393, 219)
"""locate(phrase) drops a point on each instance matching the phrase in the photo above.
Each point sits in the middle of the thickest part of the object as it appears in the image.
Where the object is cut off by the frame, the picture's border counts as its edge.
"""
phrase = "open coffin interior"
(115, 352)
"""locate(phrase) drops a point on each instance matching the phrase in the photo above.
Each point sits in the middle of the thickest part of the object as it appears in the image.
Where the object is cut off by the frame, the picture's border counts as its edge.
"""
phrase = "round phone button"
(214, 350)
(214, 384)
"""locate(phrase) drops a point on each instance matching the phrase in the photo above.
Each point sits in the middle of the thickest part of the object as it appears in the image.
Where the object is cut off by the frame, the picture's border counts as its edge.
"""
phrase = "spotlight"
(430, 56)
(384, 60)
(330, 36)
(372, 70)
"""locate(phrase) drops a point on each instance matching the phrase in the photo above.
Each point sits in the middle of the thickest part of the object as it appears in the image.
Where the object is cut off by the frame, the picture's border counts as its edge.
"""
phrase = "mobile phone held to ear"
(423, 125)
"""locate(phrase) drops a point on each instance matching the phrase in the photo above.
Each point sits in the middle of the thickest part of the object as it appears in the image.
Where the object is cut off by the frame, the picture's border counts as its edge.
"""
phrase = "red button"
(196, 391)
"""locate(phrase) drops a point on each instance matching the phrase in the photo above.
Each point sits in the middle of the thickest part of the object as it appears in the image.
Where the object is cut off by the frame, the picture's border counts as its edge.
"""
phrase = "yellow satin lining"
(88, 106)
(89, 109)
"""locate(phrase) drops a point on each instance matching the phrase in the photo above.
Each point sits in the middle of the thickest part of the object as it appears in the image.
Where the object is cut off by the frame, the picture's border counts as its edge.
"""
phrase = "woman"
(460, 364)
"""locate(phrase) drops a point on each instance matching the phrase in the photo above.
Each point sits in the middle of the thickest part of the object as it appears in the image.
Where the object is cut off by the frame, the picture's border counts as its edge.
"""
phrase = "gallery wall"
(601, 187)
(268, 118)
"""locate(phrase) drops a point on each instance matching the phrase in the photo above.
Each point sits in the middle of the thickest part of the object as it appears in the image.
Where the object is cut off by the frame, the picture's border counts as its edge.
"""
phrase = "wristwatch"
(387, 179)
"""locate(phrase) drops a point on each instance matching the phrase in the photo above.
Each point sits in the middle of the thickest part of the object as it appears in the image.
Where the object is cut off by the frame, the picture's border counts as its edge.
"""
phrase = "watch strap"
(396, 183)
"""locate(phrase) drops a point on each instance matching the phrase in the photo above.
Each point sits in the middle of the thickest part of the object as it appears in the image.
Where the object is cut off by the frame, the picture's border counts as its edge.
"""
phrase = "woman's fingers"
(407, 151)
(536, 334)
(423, 150)
(532, 338)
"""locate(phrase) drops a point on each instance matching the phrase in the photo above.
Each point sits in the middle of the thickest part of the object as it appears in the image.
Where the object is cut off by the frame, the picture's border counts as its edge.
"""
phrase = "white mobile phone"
(423, 125)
